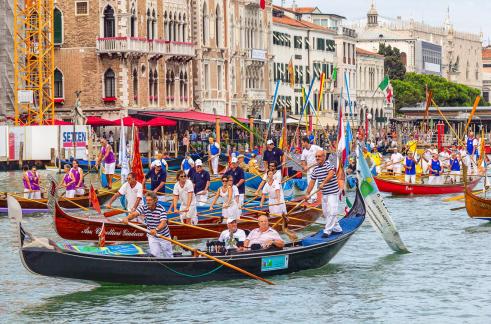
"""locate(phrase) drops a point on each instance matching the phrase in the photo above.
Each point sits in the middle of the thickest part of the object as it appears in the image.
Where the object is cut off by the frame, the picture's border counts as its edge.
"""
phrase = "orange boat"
(477, 207)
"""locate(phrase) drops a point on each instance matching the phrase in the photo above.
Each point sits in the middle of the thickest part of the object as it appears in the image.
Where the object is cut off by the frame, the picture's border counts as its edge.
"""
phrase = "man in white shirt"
(239, 235)
(307, 160)
(264, 236)
(132, 190)
(396, 159)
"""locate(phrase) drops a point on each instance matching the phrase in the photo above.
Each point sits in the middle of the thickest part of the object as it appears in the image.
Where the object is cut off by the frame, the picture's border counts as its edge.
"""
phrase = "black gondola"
(46, 258)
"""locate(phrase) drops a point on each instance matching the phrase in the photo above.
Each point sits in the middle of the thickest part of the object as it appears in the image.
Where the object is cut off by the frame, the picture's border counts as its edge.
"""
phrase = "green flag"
(384, 84)
(334, 75)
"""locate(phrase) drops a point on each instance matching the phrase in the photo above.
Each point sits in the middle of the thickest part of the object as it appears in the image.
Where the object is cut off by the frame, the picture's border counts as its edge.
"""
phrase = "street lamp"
(368, 124)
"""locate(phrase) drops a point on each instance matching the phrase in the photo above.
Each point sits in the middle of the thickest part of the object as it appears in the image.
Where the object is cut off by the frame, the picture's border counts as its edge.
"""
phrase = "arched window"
(185, 86)
(58, 26)
(135, 86)
(133, 23)
(174, 28)
(150, 85)
(218, 30)
(166, 27)
(109, 84)
(154, 21)
(204, 25)
(109, 22)
(155, 86)
(149, 25)
(58, 84)
(184, 27)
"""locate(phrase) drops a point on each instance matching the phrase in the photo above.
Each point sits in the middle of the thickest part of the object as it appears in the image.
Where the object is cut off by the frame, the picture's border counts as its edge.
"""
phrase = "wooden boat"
(403, 188)
(477, 207)
(81, 228)
(30, 206)
(44, 257)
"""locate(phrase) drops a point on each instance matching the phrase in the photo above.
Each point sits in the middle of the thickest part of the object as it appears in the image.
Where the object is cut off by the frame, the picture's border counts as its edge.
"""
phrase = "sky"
(466, 15)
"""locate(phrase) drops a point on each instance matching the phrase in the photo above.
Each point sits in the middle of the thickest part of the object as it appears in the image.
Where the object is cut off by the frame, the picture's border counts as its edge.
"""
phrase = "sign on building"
(25, 96)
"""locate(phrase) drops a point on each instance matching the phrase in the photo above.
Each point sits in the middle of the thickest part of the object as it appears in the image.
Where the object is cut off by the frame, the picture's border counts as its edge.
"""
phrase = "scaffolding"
(33, 62)
(6, 58)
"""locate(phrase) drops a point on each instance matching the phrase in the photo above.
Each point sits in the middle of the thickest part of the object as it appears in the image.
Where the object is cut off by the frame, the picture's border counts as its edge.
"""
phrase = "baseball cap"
(230, 220)
(270, 142)
(234, 160)
(240, 156)
(198, 162)
(157, 163)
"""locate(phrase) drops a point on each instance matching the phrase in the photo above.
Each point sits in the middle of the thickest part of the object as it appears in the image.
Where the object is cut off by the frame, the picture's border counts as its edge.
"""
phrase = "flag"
(389, 94)
(94, 200)
(136, 164)
(123, 154)
(341, 136)
(349, 139)
(262, 4)
(291, 73)
(386, 87)
(334, 77)
(346, 82)
(384, 84)
(102, 236)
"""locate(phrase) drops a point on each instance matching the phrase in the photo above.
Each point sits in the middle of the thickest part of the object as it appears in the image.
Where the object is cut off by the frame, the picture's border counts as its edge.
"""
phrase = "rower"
(78, 173)
(273, 190)
(410, 168)
(263, 236)
(454, 165)
(157, 177)
(376, 158)
(435, 170)
(229, 204)
(213, 155)
(107, 156)
(307, 159)
(163, 162)
(327, 181)
(242, 164)
(132, 190)
(201, 181)
(396, 159)
(238, 235)
(30, 180)
(252, 166)
(187, 163)
(472, 149)
(271, 154)
(239, 180)
(68, 182)
(155, 219)
(184, 194)
(276, 176)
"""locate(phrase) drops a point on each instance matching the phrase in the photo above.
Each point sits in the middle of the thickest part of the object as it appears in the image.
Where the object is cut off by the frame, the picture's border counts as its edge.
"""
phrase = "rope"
(193, 276)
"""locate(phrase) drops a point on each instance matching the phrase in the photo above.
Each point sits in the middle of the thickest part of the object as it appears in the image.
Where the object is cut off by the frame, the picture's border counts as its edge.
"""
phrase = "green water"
(445, 279)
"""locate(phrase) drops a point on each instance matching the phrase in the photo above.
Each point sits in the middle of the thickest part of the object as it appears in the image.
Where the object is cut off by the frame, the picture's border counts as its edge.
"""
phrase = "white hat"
(230, 220)
(234, 160)
(240, 156)
(157, 163)
(270, 142)
(198, 162)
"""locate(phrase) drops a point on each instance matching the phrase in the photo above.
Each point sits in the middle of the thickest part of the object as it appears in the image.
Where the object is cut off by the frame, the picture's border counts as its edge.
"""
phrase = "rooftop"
(285, 20)
(486, 53)
(361, 51)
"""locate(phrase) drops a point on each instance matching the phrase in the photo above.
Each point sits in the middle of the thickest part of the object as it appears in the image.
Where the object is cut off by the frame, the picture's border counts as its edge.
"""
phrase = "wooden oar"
(302, 201)
(198, 252)
(28, 199)
(289, 217)
(174, 222)
(457, 208)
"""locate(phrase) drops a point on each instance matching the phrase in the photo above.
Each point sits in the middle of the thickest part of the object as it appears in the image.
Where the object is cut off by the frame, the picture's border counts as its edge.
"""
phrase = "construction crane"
(34, 62)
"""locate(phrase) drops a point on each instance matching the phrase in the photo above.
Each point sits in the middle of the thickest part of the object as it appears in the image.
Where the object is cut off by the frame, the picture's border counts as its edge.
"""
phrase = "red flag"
(136, 164)
(262, 3)
(94, 200)
(102, 236)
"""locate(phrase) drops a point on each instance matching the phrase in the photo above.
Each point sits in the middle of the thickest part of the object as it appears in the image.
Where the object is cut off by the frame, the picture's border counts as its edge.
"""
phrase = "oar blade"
(14, 209)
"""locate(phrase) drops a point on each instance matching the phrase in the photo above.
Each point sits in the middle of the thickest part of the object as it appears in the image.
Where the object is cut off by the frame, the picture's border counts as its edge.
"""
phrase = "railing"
(256, 94)
(180, 48)
(122, 45)
(253, 3)
(158, 46)
(257, 55)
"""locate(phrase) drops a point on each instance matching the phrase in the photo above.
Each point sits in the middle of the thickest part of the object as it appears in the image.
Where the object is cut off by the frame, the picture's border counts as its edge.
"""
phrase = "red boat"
(403, 188)
(81, 228)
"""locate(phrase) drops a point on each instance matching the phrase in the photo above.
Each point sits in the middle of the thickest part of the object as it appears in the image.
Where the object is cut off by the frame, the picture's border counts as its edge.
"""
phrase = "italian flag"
(386, 87)
(333, 78)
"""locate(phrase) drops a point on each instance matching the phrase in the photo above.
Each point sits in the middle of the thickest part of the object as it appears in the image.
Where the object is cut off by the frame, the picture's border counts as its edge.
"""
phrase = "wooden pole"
(251, 134)
(196, 251)
(217, 129)
(149, 154)
(59, 149)
(21, 155)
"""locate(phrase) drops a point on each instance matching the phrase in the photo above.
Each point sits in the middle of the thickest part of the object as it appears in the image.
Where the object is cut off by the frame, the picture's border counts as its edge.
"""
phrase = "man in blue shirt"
(201, 181)
(272, 154)
(239, 180)
(157, 177)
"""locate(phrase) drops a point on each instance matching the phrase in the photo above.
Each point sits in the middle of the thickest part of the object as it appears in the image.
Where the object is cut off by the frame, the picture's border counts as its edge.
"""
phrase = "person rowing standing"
(68, 182)
(454, 165)
(410, 168)
(30, 179)
(78, 173)
(155, 219)
(184, 195)
(107, 156)
(273, 190)
(229, 207)
(436, 169)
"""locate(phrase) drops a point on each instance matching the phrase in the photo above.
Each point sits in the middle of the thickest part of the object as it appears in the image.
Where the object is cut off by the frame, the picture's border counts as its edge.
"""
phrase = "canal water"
(444, 279)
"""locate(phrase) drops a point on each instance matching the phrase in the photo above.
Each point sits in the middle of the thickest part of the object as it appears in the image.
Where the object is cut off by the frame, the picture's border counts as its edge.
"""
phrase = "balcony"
(157, 47)
(256, 57)
(122, 45)
(255, 94)
(253, 3)
(180, 49)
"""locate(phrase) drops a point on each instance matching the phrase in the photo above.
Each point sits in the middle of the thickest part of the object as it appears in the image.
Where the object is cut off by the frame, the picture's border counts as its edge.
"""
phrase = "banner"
(74, 139)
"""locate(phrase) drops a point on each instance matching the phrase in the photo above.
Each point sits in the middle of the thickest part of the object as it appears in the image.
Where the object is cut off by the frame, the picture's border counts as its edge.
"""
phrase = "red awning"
(195, 116)
(98, 121)
(161, 121)
(130, 121)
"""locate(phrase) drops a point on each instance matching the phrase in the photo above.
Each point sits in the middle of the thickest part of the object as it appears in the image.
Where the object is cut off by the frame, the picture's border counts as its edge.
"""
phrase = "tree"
(393, 65)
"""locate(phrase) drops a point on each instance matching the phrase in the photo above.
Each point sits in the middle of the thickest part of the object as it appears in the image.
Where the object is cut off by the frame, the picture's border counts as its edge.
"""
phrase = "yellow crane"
(34, 62)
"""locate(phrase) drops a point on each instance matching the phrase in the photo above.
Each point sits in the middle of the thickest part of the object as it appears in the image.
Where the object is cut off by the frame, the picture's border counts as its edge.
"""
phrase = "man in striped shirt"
(155, 219)
(325, 175)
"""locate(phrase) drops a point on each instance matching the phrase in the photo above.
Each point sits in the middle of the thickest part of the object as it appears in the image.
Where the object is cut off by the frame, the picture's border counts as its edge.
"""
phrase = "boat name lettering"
(132, 233)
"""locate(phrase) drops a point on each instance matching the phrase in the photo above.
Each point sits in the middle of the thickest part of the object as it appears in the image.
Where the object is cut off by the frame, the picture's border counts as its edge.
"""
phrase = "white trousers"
(410, 178)
(70, 193)
(32, 195)
(312, 198)
(201, 199)
(330, 210)
(80, 191)
(397, 168)
(455, 176)
(214, 164)
(436, 180)
(159, 248)
(241, 203)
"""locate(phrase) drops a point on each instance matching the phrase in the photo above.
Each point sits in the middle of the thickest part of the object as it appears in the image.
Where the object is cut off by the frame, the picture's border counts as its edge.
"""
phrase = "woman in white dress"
(235, 192)
(273, 190)
(184, 194)
(226, 192)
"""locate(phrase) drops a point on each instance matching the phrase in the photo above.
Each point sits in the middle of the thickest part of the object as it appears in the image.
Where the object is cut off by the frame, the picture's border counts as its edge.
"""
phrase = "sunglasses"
(183, 176)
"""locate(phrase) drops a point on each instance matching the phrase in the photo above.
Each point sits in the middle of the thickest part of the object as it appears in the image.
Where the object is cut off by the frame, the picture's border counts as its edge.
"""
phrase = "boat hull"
(402, 188)
(184, 270)
(477, 207)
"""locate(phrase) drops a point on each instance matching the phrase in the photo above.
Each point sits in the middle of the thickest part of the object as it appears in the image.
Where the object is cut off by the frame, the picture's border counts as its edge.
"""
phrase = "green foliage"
(393, 65)
(410, 91)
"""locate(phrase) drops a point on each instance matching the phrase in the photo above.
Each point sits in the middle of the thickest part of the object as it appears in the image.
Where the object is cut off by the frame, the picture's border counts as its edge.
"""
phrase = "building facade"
(232, 57)
(421, 43)
(486, 74)
(6, 59)
(371, 101)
